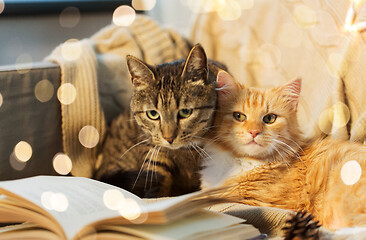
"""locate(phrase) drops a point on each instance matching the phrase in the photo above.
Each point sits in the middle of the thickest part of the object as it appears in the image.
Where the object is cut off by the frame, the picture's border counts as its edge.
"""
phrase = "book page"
(185, 228)
(74, 202)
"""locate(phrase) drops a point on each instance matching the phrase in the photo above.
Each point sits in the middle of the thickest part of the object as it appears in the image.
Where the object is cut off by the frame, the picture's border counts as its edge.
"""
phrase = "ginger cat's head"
(257, 123)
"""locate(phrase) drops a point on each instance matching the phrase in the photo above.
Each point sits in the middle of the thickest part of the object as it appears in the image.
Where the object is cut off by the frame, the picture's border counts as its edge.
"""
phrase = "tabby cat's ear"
(291, 92)
(226, 87)
(195, 67)
(141, 74)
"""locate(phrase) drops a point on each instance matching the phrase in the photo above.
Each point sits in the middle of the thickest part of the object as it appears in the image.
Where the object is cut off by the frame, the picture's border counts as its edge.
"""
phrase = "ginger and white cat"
(257, 146)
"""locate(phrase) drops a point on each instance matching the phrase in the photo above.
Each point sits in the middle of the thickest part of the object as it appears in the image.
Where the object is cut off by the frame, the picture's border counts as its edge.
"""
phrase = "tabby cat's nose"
(169, 139)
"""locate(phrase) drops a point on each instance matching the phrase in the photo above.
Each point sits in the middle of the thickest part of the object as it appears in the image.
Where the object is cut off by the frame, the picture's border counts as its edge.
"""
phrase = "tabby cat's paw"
(301, 227)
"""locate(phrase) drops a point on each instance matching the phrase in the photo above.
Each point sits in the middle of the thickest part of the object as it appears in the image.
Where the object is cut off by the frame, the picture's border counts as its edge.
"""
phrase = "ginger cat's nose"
(254, 132)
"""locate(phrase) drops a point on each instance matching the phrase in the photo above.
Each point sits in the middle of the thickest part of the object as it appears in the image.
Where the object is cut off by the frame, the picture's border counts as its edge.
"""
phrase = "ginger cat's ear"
(226, 86)
(291, 92)
(141, 75)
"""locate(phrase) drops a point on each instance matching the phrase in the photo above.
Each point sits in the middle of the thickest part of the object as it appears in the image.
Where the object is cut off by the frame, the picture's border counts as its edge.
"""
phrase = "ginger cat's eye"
(153, 115)
(239, 116)
(184, 113)
(269, 118)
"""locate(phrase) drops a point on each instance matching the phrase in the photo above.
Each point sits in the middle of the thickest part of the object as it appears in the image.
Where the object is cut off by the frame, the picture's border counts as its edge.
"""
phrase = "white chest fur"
(222, 165)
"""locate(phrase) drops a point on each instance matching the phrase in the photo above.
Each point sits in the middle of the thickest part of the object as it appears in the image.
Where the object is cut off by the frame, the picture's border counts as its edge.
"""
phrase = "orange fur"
(294, 174)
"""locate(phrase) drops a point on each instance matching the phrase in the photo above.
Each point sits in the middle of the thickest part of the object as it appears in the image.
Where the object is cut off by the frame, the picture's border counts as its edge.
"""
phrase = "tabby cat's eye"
(152, 114)
(184, 113)
(269, 118)
(239, 116)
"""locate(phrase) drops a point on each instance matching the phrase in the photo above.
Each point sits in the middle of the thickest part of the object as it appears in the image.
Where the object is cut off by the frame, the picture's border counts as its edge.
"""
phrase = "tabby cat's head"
(257, 123)
(173, 102)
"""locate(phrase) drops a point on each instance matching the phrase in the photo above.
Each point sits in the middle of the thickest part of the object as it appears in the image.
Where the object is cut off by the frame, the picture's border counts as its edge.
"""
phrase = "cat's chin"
(253, 150)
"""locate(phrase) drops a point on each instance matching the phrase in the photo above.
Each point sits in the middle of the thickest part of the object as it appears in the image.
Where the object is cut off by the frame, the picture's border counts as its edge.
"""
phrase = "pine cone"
(301, 227)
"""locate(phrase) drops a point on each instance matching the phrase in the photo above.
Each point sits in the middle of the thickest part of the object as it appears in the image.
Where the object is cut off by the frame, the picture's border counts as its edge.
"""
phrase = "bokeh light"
(62, 164)
(305, 16)
(89, 136)
(23, 151)
(333, 63)
(66, 93)
(124, 16)
(143, 5)
(335, 117)
(2, 6)
(200, 6)
(1, 99)
(114, 199)
(325, 122)
(15, 163)
(22, 59)
(269, 55)
(71, 50)
(351, 172)
(44, 90)
(55, 201)
(231, 11)
(69, 17)
(340, 115)
(131, 209)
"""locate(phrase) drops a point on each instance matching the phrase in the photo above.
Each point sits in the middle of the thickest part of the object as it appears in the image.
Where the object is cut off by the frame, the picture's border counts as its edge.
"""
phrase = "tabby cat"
(256, 146)
(153, 149)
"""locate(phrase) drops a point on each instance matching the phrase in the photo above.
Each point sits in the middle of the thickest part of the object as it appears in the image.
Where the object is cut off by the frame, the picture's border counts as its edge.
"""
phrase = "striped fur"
(281, 169)
(161, 157)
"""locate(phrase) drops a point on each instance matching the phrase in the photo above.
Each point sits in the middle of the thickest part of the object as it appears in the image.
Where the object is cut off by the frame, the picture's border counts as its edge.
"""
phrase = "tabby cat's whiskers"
(144, 141)
(142, 167)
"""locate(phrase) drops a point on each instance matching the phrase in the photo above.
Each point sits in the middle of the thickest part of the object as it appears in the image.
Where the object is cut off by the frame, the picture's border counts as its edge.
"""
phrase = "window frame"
(37, 7)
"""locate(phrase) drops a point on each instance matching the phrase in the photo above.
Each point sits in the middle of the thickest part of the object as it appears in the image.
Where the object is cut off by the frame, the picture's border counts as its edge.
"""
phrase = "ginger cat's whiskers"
(287, 171)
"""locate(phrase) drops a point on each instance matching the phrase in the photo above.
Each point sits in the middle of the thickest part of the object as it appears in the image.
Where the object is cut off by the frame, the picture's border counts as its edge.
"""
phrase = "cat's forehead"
(258, 100)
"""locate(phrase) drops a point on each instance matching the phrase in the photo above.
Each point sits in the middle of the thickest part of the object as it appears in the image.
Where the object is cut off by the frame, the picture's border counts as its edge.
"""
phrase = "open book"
(55, 207)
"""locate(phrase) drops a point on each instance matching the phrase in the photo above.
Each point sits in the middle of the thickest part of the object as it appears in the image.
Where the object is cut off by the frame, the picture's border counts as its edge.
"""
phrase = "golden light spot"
(230, 12)
(69, 17)
(23, 151)
(246, 4)
(290, 35)
(124, 16)
(333, 63)
(71, 49)
(89, 136)
(114, 199)
(44, 90)
(335, 117)
(23, 63)
(143, 5)
(131, 209)
(62, 164)
(340, 115)
(351, 172)
(325, 121)
(305, 16)
(202, 6)
(2, 6)
(269, 55)
(15, 163)
(1, 100)
(66, 93)
(54, 201)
